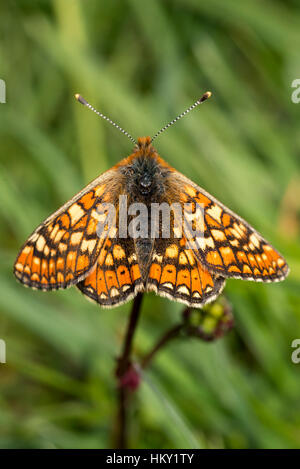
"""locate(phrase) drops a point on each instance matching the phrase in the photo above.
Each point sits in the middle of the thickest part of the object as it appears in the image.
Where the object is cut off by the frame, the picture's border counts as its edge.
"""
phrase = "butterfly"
(69, 248)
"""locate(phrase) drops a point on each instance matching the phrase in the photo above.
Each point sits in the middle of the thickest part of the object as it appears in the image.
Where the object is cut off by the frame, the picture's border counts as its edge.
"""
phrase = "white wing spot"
(76, 212)
(215, 212)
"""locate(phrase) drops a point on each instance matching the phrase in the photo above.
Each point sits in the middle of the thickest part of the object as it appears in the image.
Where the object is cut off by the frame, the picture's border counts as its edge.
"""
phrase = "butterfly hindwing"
(175, 272)
(226, 244)
(65, 247)
(116, 277)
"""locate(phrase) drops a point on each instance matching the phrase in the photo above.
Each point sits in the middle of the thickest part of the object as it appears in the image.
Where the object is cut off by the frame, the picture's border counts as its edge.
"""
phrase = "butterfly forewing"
(226, 244)
(66, 246)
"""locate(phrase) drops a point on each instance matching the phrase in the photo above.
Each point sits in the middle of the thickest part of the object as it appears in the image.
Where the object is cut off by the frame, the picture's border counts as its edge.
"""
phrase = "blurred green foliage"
(142, 63)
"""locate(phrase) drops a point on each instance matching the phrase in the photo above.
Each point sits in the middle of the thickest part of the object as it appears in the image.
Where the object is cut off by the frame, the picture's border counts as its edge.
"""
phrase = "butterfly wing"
(63, 249)
(175, 272)
(116, 278)
(227, 245)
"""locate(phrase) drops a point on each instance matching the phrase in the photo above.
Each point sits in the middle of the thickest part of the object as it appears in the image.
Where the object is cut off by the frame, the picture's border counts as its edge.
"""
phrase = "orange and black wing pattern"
(116, 277)
(176, 273)
(66, 246)
(226, 244)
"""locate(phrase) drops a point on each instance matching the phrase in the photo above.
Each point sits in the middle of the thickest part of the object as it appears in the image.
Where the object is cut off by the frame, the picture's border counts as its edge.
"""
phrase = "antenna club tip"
(80, 99)
(205, 96)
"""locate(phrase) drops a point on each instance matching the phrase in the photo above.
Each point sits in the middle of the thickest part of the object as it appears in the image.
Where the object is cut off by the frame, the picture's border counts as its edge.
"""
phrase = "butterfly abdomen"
(144, 248)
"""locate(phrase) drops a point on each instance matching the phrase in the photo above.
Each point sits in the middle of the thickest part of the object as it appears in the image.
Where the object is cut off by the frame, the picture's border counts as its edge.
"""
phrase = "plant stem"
(124, 362)
(170, 334)
(124, 359)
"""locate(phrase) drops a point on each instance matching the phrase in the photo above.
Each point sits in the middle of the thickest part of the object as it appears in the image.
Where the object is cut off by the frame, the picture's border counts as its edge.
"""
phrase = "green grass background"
(142, 63)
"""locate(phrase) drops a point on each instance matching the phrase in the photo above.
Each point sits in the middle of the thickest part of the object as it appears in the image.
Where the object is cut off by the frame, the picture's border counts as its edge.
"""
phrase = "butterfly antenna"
(85, 103)
(201, 100)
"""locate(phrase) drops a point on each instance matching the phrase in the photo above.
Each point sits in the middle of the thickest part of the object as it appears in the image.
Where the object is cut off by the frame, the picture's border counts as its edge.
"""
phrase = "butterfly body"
(145, 181)
(110, 269)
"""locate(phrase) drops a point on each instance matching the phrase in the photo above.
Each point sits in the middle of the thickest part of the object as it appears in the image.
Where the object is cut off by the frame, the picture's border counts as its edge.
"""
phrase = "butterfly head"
(144, 146)
(143, 171)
